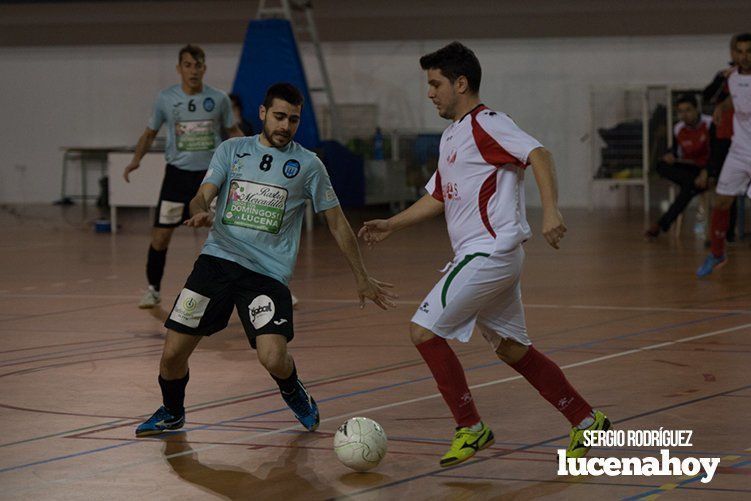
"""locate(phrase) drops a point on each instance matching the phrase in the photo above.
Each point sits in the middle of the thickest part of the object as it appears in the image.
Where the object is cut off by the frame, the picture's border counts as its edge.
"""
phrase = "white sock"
(476, 427)
(587, 422)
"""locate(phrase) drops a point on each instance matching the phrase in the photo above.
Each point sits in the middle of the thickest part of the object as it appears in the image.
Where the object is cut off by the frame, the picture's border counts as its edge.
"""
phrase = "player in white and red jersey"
(686, 163)
(479, 186)
(735, 178)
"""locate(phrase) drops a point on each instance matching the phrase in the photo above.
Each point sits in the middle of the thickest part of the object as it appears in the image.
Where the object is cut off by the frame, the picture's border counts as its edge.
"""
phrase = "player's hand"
(717, 116)
(668, 158)
(701, 180)
(200, 219)
(553, 228)
(130, 168)
(375, 231)
(378, 292)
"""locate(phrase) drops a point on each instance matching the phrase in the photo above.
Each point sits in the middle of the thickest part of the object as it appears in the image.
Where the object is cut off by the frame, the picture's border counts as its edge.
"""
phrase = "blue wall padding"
(269, 56)
(347, 173)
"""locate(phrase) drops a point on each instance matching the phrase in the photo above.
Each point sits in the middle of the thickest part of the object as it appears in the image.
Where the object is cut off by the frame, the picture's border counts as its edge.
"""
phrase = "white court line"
(562, 306)
(6, 294)
(361, 412)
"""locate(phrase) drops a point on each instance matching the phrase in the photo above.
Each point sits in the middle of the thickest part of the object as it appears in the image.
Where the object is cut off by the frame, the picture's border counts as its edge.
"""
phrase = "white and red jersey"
(739, 87)
(480, 180)
(692, 141)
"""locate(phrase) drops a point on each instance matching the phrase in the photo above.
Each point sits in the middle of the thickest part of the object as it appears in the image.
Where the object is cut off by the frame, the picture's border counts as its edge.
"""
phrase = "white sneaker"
(294, 300)
(150, 299)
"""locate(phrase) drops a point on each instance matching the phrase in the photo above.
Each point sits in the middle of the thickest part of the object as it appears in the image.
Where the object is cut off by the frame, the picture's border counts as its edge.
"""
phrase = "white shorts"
(735, 177)
(477, 289)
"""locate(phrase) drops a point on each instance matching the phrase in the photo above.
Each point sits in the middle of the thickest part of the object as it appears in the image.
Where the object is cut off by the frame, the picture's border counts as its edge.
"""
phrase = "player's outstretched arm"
(543, 167)
(379, 229)
(200, 212)
(144, 143)
(367, 286)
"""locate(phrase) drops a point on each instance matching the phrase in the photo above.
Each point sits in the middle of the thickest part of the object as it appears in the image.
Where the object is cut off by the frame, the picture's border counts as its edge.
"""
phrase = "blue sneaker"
(160, 422)
(303, 406)
(710, 264)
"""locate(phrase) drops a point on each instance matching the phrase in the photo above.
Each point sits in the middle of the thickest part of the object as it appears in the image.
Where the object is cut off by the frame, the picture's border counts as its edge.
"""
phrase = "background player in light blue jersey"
(261, 184)
(197, 116)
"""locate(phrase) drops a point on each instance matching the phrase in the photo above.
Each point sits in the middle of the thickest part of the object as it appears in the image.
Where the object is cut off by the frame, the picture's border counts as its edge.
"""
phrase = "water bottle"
(378, 145)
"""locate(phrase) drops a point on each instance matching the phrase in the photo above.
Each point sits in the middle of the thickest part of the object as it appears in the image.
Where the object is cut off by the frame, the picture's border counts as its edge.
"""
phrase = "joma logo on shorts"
(260, 309)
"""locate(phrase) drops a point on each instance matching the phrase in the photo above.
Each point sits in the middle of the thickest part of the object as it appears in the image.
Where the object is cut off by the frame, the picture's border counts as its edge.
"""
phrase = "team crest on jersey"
(451, 192)
(452, 157)
(208, 104)
(291, 168)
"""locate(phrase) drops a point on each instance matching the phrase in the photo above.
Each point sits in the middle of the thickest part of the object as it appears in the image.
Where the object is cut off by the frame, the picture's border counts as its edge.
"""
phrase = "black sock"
(173, 394)
(288, 385)
(155, 266)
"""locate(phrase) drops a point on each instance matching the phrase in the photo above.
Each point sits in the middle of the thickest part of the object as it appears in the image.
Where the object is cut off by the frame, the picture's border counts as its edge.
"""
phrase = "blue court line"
(680, 484)
(380, 388)
(41, 357)
(646, 331)
(69, 456)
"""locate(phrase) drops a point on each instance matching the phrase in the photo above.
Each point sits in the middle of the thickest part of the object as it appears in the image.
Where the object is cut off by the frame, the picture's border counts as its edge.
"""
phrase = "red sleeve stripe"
(492, 152)
(437, 189)
(487, 190)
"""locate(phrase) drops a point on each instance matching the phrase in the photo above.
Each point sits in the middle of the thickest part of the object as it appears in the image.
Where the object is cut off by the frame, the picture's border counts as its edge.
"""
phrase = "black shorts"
(178, 189)
(217, 285)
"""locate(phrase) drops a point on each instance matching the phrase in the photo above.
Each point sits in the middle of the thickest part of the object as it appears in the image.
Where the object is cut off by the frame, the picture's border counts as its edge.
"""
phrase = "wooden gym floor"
(634, 330)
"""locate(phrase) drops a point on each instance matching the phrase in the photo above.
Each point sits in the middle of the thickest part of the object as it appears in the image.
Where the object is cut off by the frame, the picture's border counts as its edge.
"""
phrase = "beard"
(277, 139)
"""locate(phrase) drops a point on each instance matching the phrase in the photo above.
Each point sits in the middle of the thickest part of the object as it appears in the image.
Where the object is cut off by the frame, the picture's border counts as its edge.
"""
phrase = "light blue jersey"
(261, 203)
(194, 124)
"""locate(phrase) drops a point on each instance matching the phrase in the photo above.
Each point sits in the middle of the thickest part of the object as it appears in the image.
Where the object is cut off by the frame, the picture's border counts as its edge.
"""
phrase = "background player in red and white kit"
(735, 178)
(479, 186)
(686, 163)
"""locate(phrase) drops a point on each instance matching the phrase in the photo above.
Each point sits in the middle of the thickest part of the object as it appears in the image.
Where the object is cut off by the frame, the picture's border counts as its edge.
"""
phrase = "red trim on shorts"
(487, 190)
(437, 189)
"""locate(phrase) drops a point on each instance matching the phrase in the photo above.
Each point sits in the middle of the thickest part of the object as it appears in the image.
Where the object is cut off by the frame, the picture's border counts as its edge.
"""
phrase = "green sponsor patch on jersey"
(195, 135)
(254, 205)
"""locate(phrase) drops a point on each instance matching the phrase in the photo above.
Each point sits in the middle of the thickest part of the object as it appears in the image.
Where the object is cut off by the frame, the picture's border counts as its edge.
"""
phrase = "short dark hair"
(455, 60)
(284, 91)
(742, 37)
(687, 98)
(194, 51)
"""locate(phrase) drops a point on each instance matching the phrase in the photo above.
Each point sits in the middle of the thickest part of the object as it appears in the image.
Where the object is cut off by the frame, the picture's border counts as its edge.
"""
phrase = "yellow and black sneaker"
(466, 443)
(576, 447)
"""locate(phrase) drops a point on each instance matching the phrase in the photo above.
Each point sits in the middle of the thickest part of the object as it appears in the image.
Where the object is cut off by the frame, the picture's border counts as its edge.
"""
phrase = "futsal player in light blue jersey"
(260, 184)
(196, 116)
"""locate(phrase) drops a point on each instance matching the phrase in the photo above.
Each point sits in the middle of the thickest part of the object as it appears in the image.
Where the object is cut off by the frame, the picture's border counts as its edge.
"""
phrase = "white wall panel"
(101, 95)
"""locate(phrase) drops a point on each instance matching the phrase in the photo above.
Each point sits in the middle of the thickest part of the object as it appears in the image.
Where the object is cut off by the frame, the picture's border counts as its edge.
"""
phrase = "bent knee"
(172, 360)
(273, 360)
(724, 202)
(419, 334)
(511, 351)
(160, 238)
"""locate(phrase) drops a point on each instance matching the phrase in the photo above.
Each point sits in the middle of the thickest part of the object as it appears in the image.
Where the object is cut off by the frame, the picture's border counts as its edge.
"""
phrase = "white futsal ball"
(360, 443)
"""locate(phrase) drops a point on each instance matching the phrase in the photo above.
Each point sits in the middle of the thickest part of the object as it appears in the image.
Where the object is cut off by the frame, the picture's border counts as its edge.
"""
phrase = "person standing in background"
(196, 116)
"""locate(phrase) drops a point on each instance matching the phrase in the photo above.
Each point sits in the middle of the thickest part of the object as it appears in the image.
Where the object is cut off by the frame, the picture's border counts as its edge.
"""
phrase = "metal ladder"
(300, 15)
